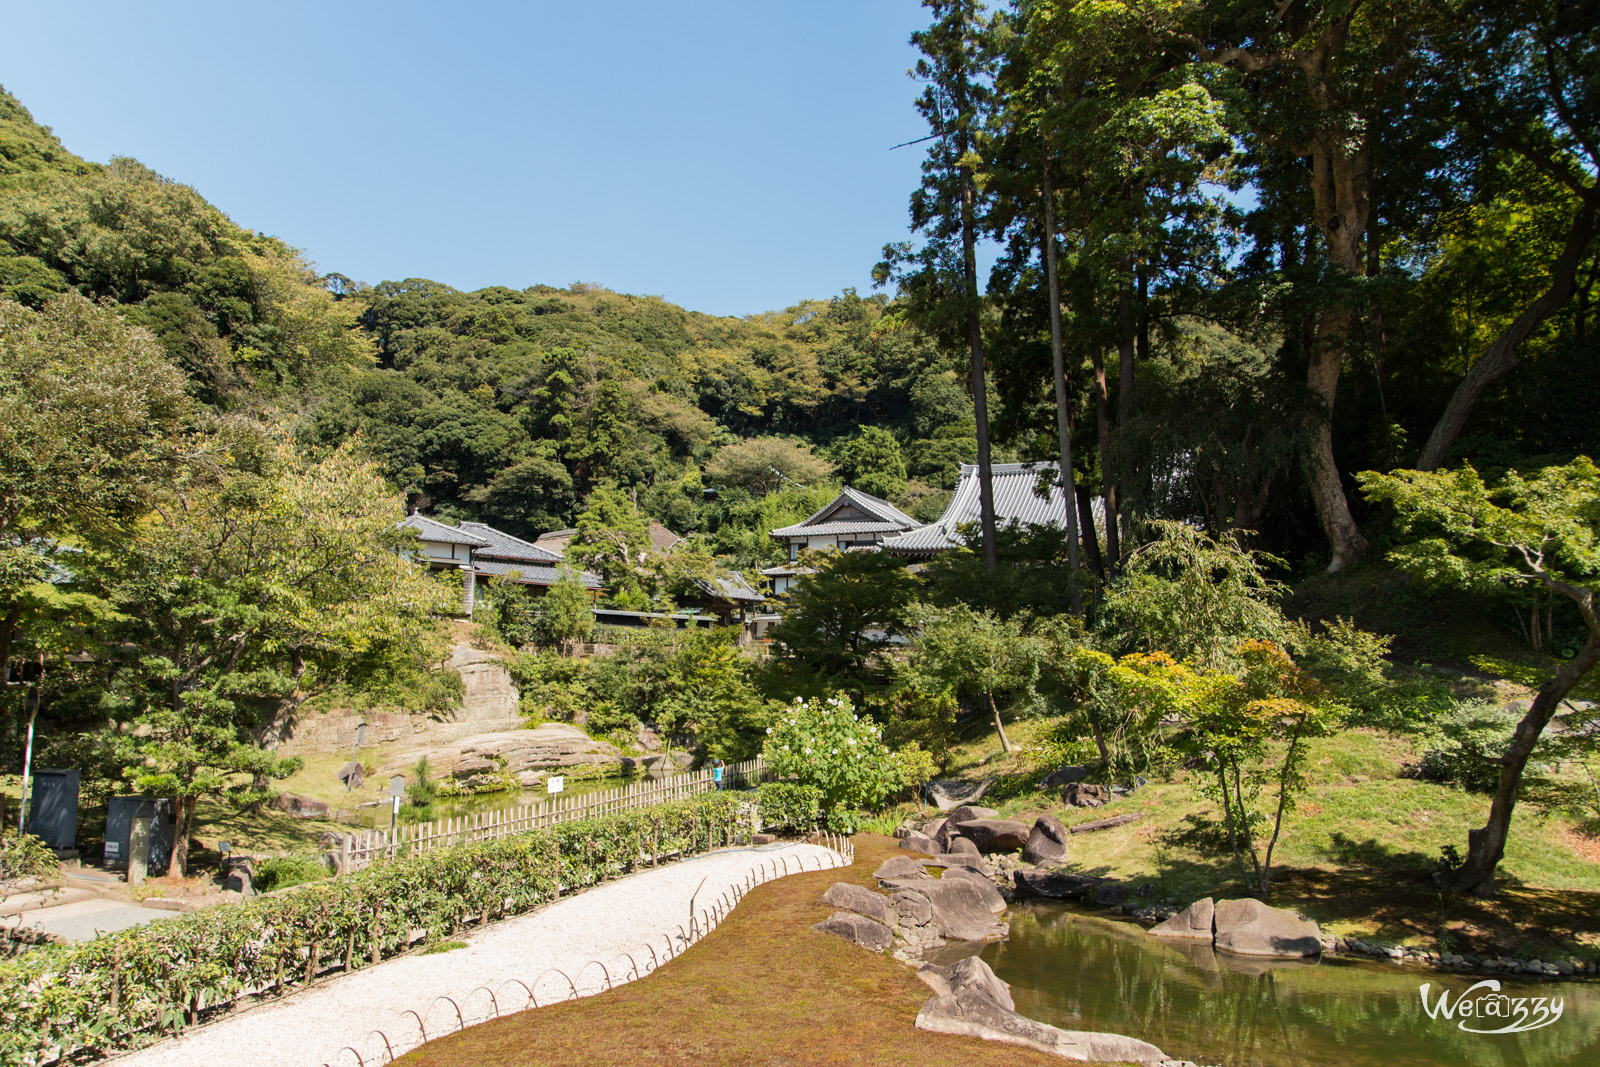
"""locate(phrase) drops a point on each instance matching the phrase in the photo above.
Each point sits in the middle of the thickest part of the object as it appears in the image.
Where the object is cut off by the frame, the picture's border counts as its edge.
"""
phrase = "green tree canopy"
(1540, 530)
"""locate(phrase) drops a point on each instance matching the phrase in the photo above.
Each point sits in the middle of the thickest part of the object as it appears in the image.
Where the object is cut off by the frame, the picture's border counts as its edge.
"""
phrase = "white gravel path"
(313, 1027)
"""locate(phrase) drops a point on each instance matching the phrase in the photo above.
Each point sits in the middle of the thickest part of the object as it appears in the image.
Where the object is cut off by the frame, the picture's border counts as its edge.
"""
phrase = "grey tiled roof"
(530, 573)
(787, 570)
(886, 517)
(733, 587)
(830, 529)
(430, 530)
(1016, 500)
(501, 545)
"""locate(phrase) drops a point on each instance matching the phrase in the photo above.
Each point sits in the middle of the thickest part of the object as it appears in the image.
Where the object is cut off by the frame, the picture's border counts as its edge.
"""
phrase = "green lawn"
(1356, 854)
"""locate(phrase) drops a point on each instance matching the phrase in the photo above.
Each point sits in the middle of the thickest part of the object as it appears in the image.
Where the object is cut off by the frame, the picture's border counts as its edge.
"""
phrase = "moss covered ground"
(763, 988)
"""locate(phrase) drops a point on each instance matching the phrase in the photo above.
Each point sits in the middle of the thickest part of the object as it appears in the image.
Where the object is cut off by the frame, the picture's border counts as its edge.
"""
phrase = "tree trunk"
(1501, 356)
(1108, 490)
(1063, 411)
(1486, 845)
(180, 835)
(969, 269)
(999, 727)
(1100, 743)
(1091, 542)
(1327, 489)
(1341, 178)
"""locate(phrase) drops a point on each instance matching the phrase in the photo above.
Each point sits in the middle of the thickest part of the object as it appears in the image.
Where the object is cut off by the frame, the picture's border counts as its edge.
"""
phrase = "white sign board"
(556, 784)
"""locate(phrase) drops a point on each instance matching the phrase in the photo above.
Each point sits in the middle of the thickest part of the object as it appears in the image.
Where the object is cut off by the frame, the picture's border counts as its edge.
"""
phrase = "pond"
(1085, 972)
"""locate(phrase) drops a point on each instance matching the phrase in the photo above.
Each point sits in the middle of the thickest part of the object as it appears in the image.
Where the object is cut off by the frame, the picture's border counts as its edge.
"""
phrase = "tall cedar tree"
(941, 277)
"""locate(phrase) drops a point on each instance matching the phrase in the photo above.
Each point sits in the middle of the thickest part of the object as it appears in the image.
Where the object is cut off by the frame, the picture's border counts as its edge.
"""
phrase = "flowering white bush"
(824, 743)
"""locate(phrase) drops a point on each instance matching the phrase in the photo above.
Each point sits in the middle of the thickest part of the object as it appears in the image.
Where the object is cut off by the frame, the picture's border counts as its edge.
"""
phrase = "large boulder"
(961, 908)
(958, 847)
(1047, 841)
(932, 828)
(911, 909)
(950, 793)
(972, 860)
(972, 1013)
(968, 812)
(1193, 923)
(986, 889)
(1251, 928)
(995, 835)
(865, 932)
(848, 896)
(1065, 776)
(970, 973)
(1051, 885)
(900, 867)
(915, 842)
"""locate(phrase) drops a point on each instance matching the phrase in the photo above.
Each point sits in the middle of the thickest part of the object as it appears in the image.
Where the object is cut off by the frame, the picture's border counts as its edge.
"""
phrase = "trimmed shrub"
(25, 856)
(297, 868)
(788, 807)
(58, 1000)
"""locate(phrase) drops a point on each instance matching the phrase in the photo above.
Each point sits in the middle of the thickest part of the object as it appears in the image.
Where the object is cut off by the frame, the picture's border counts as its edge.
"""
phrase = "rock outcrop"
(487, 691)
(994, 835)
(974, 1008)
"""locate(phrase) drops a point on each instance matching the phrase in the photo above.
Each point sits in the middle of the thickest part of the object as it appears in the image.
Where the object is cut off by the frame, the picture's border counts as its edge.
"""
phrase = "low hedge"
(788, 807)
(126, 989)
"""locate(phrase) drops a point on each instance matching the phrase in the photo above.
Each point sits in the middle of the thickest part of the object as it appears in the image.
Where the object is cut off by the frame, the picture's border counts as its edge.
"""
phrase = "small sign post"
(555, 784)
(397, 789)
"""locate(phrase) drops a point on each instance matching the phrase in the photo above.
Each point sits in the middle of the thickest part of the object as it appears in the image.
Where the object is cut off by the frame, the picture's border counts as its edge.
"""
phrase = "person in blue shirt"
(717, 767)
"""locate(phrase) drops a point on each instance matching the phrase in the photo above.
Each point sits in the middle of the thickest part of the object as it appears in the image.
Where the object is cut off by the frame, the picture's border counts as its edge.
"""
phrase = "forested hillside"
(1296, 290)
(502, 405)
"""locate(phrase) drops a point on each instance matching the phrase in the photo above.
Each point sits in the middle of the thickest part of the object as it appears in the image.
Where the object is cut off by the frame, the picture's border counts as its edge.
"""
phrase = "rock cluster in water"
(1244, 928)
(969, 1000)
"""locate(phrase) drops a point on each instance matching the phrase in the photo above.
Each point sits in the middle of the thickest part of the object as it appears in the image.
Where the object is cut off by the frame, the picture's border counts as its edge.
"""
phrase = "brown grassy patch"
(762, 988)
(1584, 844)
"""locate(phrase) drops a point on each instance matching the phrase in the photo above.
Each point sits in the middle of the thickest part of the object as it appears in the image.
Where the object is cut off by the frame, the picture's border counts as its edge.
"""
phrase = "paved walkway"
(83, 920)
(357, 1011)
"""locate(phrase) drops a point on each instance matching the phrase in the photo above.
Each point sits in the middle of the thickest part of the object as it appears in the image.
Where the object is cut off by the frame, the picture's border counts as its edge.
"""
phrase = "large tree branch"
(1502, 355)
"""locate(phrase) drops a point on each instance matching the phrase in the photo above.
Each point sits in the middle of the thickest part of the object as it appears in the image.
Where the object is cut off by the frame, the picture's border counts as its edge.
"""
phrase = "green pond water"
(1085, 972)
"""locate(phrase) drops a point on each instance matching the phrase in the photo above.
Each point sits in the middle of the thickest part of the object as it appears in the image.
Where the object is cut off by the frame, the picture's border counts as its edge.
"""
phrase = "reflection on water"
(1085, 972)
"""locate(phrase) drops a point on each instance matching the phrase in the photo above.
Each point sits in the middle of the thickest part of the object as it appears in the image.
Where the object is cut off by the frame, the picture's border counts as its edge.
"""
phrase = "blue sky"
(733, 157)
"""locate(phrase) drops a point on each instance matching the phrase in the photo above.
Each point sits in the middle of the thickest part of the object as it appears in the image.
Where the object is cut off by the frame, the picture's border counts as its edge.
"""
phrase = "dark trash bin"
(53, 808)
(120, 813)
